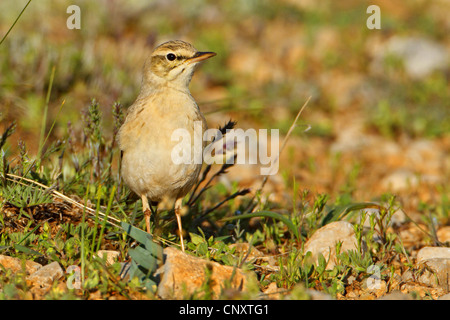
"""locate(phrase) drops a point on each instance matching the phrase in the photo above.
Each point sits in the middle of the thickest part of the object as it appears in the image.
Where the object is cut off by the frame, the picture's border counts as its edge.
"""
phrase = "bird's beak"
(200, 56)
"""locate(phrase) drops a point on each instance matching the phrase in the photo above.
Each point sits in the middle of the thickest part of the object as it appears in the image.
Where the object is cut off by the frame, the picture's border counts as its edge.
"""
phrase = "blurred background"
(379, 109)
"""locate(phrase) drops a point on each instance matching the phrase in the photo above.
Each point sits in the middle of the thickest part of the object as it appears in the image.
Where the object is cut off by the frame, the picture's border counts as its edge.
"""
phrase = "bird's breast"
(156, 141)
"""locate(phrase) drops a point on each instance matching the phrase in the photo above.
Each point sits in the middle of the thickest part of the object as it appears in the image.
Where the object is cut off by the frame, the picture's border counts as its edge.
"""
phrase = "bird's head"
(173, 63)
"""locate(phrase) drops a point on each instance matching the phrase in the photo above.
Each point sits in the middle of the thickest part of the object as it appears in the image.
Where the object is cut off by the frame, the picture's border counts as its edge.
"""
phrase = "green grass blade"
(105, 218)
(44, 117)
(54, 121)
(137, 234)
(143, 258)
(29, 233)
(341, 212)
(20, 14)
(26, 250)
(154, 248)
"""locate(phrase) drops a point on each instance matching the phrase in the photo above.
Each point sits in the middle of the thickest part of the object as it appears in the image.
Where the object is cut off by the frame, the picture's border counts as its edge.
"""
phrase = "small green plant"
(25, 196)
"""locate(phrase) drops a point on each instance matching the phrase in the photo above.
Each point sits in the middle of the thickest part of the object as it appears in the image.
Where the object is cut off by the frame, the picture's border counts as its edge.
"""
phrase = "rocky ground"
(378, 119)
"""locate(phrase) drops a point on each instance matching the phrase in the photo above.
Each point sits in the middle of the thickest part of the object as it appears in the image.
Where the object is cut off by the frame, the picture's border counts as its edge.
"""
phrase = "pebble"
(400, 180)
(420, 56)
(426, 156)
(46, 275)
(324, 241)
(351, 138)
(427, 253)
(445, 297)
(437, 263)
(439, 274)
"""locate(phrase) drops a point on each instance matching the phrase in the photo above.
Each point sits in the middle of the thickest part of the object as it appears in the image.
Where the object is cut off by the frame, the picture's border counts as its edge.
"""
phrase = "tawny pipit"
(164, 105)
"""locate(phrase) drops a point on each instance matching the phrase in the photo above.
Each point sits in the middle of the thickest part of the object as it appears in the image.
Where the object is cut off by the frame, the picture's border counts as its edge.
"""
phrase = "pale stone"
(445, 297)
(183, 275)
(427, 253)
(420, 56)
(435, 266)
(426, 156)
(435, 272)
(324, 241)
(400, 180)
(46, 275)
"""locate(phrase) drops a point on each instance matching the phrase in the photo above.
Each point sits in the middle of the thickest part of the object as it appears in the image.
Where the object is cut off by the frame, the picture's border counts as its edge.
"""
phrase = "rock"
(435, 272)
(351, 137)
(443, 234)
(399, 180)
(434, 263)
(420, 56)
(396, 295)
(427, 253)
(16, 264)
(46, 275)
(110, 256)
(426, 157)
(398, 218)
(183, 275)
(445, 297)
(324, 241)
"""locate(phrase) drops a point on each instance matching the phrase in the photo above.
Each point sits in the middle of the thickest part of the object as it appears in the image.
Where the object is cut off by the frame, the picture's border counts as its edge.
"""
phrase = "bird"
(163, 105)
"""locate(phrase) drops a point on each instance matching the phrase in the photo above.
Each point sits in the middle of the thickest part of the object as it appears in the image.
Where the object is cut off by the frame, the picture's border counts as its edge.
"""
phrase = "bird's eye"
(170, 57)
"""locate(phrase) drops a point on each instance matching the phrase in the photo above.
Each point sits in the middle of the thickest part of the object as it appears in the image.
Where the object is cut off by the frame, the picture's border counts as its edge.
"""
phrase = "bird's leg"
(147, 211)
(178, 204)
